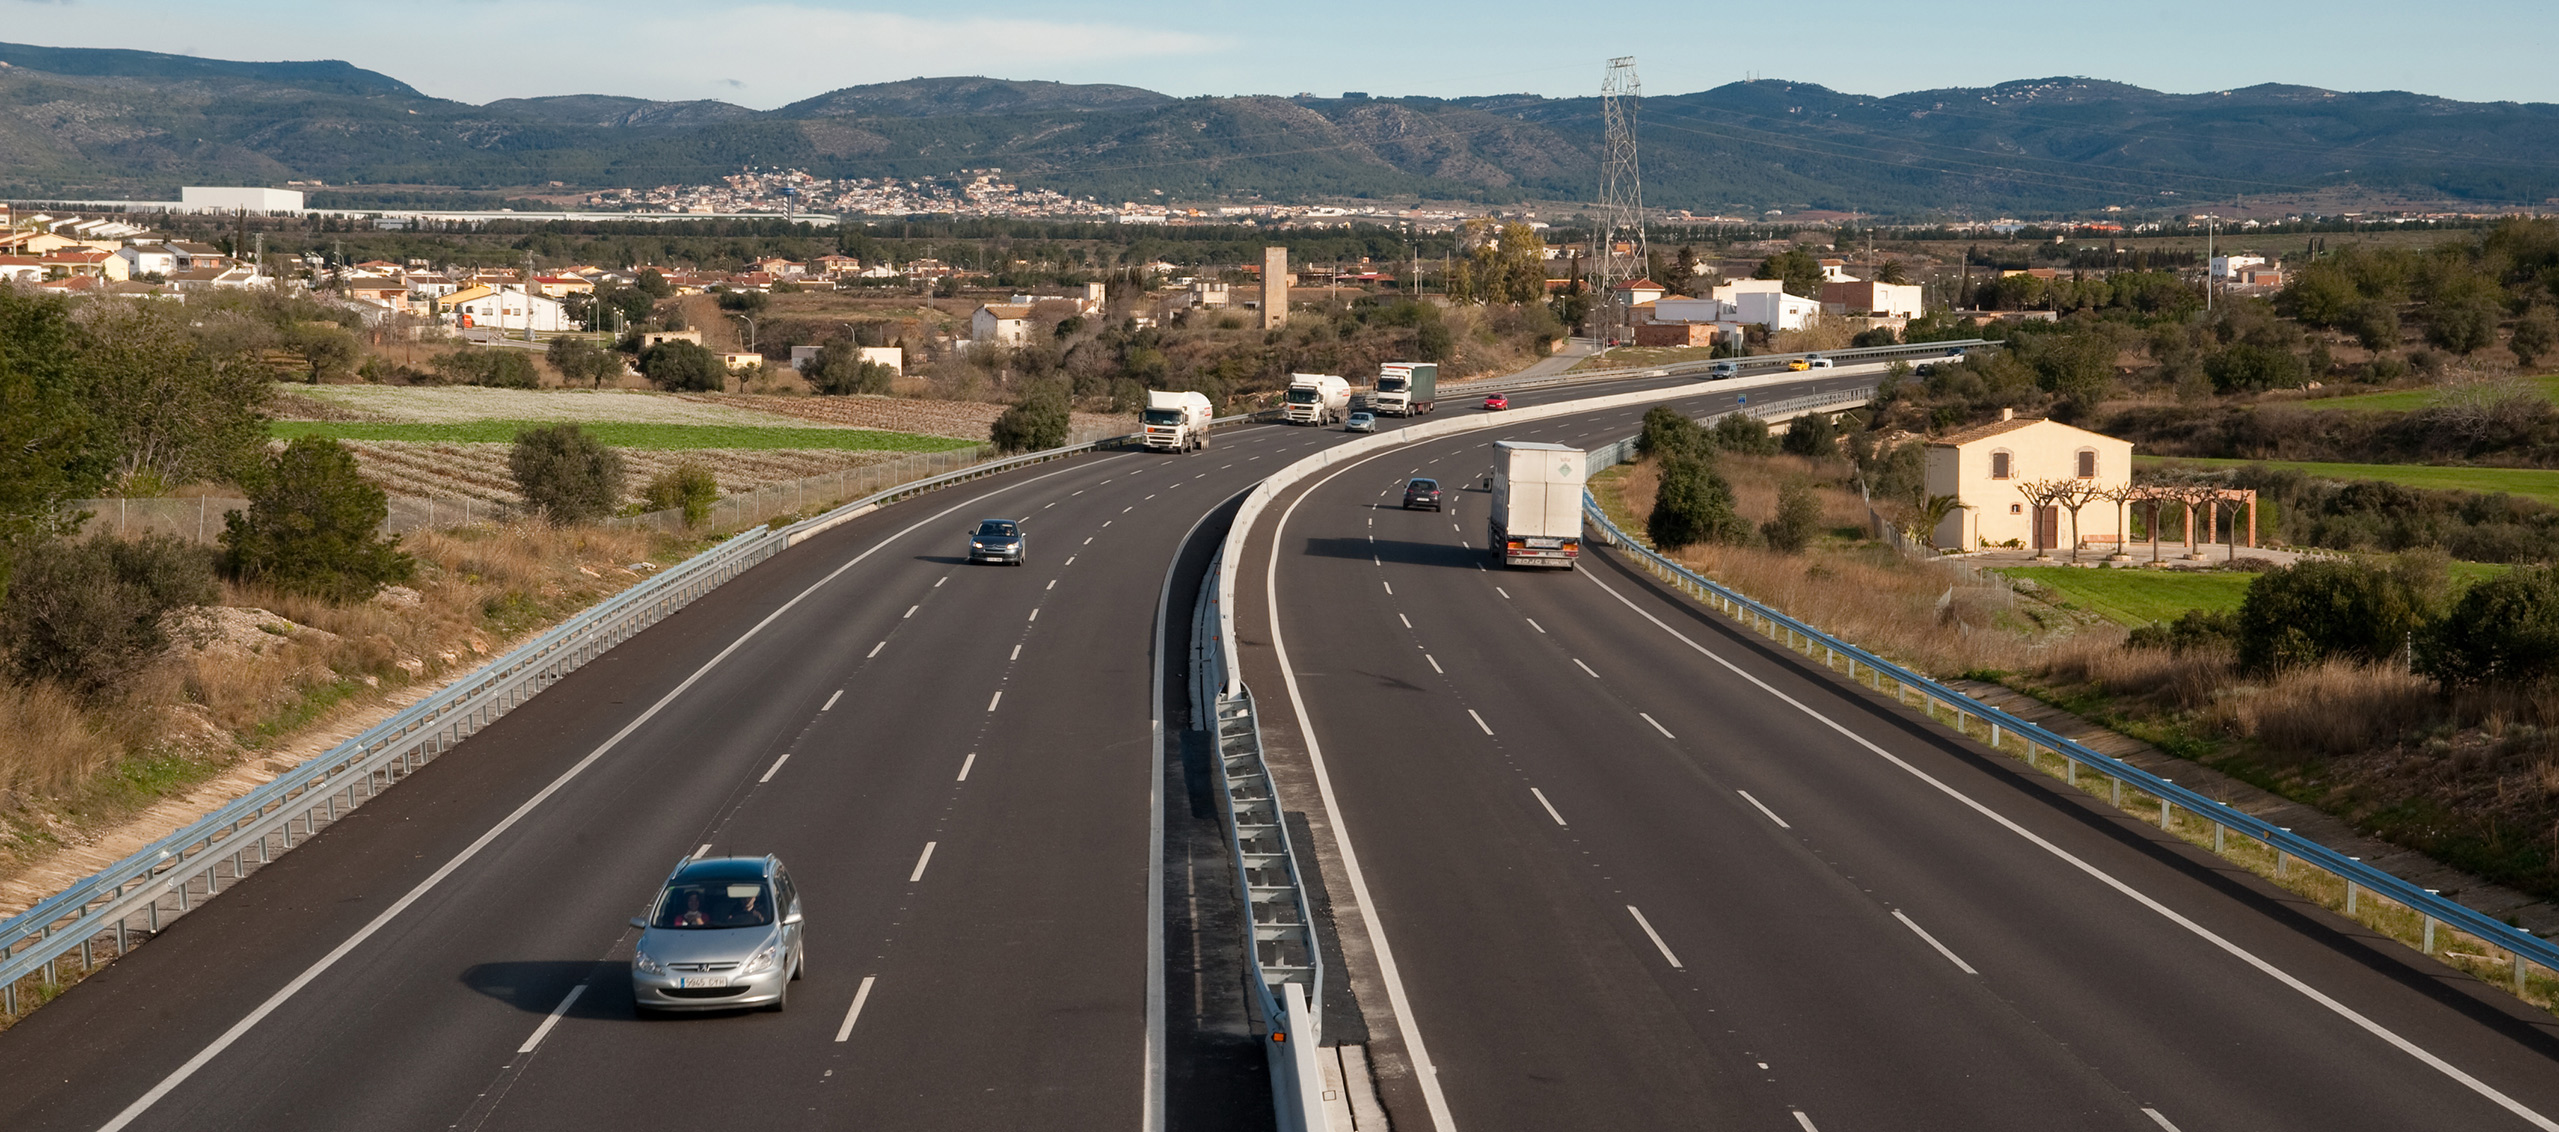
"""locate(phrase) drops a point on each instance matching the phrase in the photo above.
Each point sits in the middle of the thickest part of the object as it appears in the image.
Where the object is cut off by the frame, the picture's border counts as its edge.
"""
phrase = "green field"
(628, 435)
(2530, 483)
(2404, 400)
(2139, 597)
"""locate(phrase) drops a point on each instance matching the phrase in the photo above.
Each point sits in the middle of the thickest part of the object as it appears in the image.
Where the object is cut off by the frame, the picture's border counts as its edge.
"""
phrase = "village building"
(1994, 470)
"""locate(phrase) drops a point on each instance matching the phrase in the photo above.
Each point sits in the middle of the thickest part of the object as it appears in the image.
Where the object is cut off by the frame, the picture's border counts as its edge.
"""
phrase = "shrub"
(1668, 432)
(1694, 505)
(838, 369)
(2323, 610)
(497, 368)
(687, 485)
(683, 367)
(2249, 368)
(88, 615)
(1039, 420)
(2192, 631)
(311, 526)
(2504, 630)
(1798, 518)
(565, 474)
(580, 360)
(1811, 435)
(1744, 434)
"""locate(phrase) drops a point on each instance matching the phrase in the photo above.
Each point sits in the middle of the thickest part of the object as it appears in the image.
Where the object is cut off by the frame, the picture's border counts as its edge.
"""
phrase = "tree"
(838, 369)
(1798, 518)
(1893, 272)
(565, 474)
(1683, 272)
(1434, 341)
(2462, 315)
(1667, 432)
(1811, 434)
(1800, 270)
(2375, 325)
(652, 283)
(89, 614)
(580, 360)
(310, 526)
(1694, 505)
(2324, 609)
(1039, 420)
(2536, 333)
(52, 450)
(498, 368)
(170, 404)
(631, 303)
(683, 367)
(2503, 630)
(687, 485)
(326, 349)
(1743, 433)
(2248, 368)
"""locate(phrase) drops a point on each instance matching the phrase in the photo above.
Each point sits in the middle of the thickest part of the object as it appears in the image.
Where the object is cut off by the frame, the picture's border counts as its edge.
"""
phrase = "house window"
(2088, 463)
(2016, 508)
(1999, 465)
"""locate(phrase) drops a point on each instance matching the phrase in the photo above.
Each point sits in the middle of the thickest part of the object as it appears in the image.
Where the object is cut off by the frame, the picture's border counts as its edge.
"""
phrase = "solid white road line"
(2350, 1014)
(776, 768)
(830, 700)
(1532, 623)
(1577, 663)
(1942, 949)
(875, 650)
(1435, 664)
(1479, 721)
(543, 1030)
(1657, 725)
(1550, 806)
(860, 996)
(922, 861)
(995, 699)
(965, 764)
(2159, 1120)
(1763, 808)
(1656, 937)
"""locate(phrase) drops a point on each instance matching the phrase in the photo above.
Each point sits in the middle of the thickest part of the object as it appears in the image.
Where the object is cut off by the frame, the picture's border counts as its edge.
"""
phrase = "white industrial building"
(199, 198)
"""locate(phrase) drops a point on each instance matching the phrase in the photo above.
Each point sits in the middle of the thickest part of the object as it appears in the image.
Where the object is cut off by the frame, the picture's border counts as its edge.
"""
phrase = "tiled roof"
(1983, 432)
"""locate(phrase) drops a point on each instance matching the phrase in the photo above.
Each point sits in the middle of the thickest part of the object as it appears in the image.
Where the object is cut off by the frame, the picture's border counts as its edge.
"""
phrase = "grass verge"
(2409, 400)
(2531, 483)
(2140, 597)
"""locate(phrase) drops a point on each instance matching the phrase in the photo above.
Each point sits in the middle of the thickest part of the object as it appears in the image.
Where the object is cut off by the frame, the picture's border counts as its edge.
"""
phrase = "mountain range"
(80, 123)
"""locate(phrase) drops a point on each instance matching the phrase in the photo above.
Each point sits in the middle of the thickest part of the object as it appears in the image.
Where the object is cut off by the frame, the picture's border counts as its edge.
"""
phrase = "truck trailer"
(1176, 422)
(1537, 503)
(1317, 399)
(1406, 389)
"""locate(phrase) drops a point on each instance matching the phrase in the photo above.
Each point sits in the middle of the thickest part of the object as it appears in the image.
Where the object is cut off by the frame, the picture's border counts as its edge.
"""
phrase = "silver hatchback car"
(723, 934)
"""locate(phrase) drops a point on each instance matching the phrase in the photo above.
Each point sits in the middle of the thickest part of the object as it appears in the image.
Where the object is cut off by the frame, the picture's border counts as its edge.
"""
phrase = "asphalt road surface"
(1637, 868)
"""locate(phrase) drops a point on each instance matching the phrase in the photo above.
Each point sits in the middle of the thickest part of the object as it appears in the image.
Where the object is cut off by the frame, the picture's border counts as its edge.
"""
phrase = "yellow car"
(1799, 364)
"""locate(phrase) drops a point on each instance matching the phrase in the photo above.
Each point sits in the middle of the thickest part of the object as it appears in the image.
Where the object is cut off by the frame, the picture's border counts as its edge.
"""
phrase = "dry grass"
(47, 742)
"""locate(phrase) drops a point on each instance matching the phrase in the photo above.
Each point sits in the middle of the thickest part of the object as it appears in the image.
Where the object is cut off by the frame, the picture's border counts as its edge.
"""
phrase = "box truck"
(1175, 422)
(1537, 503)
(1406, 389)
(1317, 399)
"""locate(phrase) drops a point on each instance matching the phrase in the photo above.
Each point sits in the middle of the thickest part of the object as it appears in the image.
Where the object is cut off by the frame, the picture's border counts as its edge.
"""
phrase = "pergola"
(2190, 496)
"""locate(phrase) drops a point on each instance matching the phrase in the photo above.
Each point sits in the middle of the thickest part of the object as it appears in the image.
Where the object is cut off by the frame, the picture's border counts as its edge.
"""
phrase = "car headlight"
(640, 960)
(977, 546)
(763, 960)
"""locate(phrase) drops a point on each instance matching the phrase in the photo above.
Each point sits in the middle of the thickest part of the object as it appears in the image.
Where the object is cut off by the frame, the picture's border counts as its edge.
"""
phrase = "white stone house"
(1984, 467)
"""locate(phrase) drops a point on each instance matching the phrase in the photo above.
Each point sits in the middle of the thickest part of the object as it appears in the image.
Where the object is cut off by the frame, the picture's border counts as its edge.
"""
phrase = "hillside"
(127, 123)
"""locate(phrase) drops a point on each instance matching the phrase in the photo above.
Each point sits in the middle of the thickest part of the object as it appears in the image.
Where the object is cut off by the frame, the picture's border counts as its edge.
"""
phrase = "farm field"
(2531, 483)
(478, 472)
(2405, 400)
(438, 404)
(629, 434)
(2140, 597)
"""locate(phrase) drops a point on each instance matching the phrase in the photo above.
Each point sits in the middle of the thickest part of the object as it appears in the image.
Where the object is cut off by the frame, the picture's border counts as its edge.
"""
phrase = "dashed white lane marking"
(1017, 653)
(1804, 1122)
(2159, 1120)
(1108, 522)
(775, 769)
(1479, 721)
(1656, 937)
(1046, 506)
(1131, 507)
(1144, 500)
(965, 764)
(1052, 584)
(1763, 808)
(1223, 467)
(830, 700)
(995, 699)
(1035, 615)
(1657, 725)
(937, 584)
(1435, 664)
(1577, 663)
(1550, 806)
(1070, 560)
(1072, 494)
(1532, 623)
(860, 996)
(1506, 594)
(922, 861)
(543, 1030)
(875, 650)
(910, 611)
(1408, 622)
(1942, 949)
(702, 852)
(1088, 542)
(1390, 588)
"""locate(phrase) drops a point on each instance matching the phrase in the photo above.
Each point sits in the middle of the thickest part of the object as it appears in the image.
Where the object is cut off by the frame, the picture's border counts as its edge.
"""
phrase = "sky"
(766, 53)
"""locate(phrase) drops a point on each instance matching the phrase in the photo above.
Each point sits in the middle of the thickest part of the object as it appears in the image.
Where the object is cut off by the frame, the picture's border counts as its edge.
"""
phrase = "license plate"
(689, 982)
(1544, 543)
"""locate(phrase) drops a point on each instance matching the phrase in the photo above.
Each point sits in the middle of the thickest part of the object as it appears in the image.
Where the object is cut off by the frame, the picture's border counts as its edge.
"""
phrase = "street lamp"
(750, 328)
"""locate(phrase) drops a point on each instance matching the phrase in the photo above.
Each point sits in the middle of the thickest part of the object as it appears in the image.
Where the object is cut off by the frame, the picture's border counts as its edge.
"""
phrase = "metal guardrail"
(174, 874)
(1970, 716)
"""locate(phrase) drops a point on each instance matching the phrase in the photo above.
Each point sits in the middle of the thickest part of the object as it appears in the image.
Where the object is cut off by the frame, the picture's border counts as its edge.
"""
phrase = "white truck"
(1176, 422)
(1537, 503)
(1317, 399)
(1406, 389)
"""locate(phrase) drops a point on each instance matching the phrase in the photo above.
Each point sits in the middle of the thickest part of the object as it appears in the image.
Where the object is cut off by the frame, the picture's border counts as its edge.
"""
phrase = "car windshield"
(1423, 485)
(1390, 385)
(1161, 416)
(997, 528)
(713, 903)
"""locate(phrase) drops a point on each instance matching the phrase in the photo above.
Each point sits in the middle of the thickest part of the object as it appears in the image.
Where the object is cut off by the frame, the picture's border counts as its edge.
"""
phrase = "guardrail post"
(2218, 830)
(2350, 896)
(2430, 935)
(2520, 962)
(2119, 790)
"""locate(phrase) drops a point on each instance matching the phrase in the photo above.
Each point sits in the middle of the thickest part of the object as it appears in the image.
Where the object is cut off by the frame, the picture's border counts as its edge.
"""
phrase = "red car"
(1497, 401)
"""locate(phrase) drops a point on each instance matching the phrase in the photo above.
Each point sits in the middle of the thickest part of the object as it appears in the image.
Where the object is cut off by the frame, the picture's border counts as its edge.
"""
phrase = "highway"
(955, 762)
(1632, 867)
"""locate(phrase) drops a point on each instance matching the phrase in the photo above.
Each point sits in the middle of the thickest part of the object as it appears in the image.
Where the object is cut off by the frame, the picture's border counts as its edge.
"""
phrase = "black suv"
(1421, 493)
